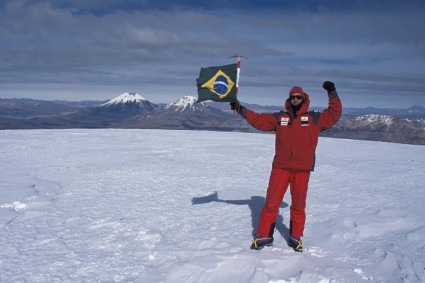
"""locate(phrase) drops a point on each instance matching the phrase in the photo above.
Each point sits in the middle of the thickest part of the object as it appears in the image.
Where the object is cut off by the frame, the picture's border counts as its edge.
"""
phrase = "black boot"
(260, 242)
(295, 243)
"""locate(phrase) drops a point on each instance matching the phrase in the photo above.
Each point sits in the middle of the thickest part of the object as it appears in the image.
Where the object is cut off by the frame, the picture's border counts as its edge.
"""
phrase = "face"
(296, 99)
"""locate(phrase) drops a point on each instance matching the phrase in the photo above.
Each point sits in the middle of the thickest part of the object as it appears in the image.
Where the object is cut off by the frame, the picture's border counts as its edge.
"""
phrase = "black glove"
(329, 86)
(236, 106)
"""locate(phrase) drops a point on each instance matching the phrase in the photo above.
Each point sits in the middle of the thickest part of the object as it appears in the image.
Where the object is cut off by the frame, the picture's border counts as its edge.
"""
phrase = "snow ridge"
(125, 98)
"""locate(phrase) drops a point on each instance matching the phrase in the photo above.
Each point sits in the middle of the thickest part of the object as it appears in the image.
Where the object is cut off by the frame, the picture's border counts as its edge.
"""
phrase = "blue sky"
(374, 51)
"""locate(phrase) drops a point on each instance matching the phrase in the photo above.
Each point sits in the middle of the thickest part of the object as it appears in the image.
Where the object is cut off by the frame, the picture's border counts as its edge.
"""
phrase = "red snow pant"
(278, 184)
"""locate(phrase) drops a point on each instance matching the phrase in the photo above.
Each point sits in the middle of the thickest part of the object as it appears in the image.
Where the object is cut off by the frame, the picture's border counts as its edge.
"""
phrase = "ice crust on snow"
(16, 205)
(119, 206)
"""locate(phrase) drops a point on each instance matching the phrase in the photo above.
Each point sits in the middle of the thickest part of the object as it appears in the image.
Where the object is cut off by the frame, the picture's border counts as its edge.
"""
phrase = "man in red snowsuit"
(297, 132)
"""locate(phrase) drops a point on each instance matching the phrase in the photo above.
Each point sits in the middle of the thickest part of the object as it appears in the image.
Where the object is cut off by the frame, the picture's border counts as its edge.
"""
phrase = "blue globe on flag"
(221, 85)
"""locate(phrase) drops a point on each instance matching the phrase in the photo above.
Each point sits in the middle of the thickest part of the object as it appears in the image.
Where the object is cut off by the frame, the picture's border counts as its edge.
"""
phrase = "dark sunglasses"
(299, 97)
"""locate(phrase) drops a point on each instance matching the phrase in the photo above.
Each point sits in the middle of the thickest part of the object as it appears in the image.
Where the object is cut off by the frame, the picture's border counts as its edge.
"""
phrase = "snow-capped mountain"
(373, 120)
(131, 110)
(108, 114)
(187, 113)
(130, 102)
(380, 128)
(186, 103)
(125, 98)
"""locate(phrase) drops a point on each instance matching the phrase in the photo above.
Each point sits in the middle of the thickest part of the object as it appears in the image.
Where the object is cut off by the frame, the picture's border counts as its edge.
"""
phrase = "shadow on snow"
(255, 204)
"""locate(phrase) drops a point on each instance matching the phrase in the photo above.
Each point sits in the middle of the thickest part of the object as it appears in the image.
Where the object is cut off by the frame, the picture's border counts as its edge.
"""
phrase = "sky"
(374, 51)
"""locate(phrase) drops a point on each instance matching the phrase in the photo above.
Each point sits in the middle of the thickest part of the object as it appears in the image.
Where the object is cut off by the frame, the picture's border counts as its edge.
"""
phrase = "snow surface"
(180, 206)
(124, 98)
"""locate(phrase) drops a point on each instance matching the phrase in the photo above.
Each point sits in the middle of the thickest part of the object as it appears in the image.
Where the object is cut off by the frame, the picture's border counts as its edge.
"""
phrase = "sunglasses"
(299, 97)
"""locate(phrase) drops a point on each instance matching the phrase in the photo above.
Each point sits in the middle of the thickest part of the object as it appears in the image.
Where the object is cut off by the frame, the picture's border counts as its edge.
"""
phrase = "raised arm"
(332, 114)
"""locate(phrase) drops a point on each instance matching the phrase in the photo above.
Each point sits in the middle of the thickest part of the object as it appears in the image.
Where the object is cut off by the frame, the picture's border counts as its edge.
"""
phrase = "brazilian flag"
(217, 83)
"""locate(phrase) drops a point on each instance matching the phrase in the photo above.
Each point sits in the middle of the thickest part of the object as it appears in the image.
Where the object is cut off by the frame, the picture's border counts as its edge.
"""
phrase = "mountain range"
(131, 110)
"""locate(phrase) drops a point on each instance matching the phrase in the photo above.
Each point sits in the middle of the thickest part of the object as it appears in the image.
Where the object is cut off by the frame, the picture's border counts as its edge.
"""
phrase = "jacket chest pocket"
(284, 121)
(305, 121)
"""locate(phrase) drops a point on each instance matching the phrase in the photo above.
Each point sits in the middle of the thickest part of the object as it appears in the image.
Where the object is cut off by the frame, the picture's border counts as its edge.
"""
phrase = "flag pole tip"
(238, 56)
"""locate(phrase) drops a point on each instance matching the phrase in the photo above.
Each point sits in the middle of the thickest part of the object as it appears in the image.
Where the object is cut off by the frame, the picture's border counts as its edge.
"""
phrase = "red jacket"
(296, 137)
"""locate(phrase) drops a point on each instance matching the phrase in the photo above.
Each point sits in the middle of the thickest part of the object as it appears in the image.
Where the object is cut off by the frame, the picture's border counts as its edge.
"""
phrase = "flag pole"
(238, 70)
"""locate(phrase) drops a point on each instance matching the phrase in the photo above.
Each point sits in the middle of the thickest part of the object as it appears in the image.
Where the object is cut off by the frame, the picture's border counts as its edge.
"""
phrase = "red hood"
(304, 107)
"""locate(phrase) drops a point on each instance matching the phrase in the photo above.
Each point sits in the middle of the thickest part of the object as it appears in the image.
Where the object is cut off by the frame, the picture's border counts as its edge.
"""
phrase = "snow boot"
(260, 242)
(295, 243)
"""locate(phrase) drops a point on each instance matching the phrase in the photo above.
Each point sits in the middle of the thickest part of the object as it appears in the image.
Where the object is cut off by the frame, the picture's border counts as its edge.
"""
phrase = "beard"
(297, 107)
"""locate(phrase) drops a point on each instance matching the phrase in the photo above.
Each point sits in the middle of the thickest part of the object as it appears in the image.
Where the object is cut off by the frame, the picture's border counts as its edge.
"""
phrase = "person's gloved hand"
(329, 86)
(236, 106)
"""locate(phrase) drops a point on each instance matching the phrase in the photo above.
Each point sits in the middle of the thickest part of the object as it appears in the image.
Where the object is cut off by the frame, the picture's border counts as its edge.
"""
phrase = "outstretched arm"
(260, 121)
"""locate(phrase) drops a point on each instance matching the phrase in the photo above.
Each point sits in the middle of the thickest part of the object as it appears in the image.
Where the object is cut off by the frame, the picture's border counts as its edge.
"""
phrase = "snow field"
(180, 206)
